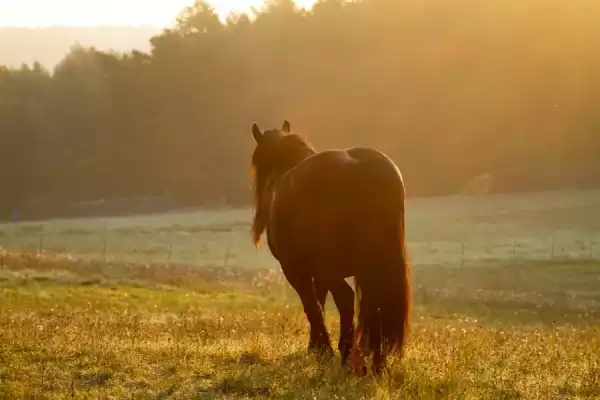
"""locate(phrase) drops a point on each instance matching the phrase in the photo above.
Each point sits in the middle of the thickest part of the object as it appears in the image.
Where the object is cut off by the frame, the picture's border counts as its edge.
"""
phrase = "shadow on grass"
(300, 376)
(289, 377)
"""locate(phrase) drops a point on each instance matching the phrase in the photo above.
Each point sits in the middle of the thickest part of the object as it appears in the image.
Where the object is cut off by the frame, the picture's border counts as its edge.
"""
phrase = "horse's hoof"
(378, 370)
(322, 352)
(359, 371)
(356, 363)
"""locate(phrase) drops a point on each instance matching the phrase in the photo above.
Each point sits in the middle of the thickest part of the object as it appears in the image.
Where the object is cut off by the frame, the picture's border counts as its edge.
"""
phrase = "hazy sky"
(107, 12)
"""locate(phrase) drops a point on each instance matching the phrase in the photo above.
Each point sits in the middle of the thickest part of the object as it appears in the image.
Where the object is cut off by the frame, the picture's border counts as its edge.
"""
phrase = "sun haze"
(31, 13)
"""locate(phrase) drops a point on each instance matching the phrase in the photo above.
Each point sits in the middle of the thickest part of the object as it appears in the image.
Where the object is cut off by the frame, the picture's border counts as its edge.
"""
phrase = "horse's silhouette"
(331, 215)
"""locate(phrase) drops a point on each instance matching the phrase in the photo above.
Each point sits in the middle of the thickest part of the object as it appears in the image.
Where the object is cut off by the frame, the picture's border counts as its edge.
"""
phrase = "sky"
(161, 13)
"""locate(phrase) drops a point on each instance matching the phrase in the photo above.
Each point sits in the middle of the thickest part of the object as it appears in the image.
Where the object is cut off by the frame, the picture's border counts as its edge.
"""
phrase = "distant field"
(445, 230)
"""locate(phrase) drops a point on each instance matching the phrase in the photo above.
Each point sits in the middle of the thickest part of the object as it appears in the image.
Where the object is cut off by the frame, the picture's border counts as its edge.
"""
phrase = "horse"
(332, 215)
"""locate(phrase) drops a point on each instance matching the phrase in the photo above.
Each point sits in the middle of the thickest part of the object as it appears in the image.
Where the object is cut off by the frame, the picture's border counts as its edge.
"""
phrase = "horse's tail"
(384, 298)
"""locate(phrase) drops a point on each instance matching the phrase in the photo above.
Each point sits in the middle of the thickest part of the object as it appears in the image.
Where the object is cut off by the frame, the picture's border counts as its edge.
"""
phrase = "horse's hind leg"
(319, 338)
(322, 288)
(343, 295)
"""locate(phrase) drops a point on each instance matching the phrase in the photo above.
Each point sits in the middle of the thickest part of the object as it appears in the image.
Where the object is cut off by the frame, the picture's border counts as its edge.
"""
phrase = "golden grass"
(90, 330)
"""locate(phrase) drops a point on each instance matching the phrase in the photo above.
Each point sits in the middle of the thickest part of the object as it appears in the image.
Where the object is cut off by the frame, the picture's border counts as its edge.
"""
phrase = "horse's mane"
(269, 161)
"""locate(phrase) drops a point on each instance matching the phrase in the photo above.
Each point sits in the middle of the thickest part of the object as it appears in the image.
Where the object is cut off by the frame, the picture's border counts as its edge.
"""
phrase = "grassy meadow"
(93, 330)
(514, 315)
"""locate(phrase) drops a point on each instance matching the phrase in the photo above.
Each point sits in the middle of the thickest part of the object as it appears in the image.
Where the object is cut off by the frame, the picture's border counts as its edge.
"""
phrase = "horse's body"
(331, 215)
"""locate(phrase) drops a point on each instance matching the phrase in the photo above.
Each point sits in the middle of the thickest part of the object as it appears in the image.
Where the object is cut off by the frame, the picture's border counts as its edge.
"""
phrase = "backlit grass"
(90, 330)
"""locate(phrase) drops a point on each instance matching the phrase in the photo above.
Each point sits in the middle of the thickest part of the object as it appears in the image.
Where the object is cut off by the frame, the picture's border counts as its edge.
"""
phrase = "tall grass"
(96, 330)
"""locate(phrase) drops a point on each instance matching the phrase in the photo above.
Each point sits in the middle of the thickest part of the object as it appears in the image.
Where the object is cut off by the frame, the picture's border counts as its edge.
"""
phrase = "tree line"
(450, 90)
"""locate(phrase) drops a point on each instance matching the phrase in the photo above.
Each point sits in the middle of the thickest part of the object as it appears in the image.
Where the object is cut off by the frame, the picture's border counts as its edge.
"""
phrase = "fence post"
(553, 246)
(41, 243)
(104, 242)
(19, 234)
(226, 259)
(515, 248)
(462, 257)
(170, 253)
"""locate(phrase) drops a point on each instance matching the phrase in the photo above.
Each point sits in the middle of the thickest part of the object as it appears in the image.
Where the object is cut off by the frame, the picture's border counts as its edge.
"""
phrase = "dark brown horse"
(328, 216)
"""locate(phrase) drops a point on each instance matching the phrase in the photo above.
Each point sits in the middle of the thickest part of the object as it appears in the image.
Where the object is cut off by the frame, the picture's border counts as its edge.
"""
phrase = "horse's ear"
(286, 126)
(258, 135)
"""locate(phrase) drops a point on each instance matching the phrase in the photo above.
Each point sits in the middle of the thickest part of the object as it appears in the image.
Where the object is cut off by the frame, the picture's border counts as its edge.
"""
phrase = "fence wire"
(230, 245)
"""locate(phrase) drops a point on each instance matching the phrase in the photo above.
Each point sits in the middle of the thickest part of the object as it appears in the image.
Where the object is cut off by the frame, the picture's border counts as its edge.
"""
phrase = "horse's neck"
(280, 173)
(294, 159)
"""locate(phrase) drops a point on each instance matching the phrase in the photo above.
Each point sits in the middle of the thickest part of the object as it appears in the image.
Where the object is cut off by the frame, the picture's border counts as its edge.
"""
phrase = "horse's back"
(346, 170)
(339, 204)
(359, 177)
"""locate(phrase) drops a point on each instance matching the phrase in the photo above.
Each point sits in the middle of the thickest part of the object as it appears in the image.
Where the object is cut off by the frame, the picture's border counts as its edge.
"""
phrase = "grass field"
(441, 231)
(111, 318)
(95, 330)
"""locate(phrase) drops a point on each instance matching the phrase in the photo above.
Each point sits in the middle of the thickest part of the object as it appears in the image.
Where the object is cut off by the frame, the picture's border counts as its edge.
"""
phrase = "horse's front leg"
(319, 338)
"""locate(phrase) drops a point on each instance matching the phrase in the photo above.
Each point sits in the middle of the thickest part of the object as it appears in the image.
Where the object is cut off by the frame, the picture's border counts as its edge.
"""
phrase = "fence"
(230, 245)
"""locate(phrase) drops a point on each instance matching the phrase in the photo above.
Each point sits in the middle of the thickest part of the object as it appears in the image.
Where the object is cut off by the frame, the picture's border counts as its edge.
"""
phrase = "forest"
(450, 90)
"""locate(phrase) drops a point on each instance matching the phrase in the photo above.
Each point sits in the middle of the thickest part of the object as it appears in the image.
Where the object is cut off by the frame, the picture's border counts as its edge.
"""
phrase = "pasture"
(95, 330)
(506, 305)
(441, 231)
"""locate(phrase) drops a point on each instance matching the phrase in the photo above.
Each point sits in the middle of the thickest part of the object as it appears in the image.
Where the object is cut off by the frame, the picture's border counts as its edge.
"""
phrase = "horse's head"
(267, 153)
(276, 151)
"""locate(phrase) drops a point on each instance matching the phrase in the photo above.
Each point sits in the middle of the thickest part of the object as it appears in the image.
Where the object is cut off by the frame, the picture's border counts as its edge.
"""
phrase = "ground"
(95, 330)
(506, 305)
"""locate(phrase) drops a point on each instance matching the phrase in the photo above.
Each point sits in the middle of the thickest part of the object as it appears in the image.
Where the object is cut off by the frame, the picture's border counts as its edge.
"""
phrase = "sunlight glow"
(161, 13)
